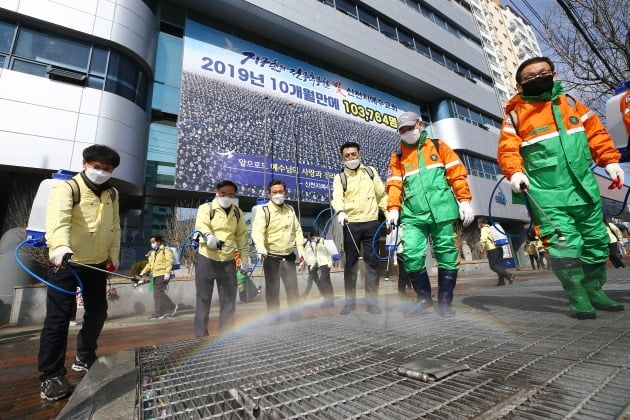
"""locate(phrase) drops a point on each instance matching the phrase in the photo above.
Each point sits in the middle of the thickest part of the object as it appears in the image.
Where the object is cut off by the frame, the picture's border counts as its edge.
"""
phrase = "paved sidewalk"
(18, 347)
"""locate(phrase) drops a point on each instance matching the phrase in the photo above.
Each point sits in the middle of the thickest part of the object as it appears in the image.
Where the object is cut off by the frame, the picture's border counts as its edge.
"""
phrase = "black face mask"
(538, 86)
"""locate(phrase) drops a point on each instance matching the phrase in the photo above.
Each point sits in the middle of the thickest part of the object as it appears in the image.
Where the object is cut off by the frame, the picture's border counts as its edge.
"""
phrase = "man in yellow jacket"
(224, 232)
(276, 232)
(160, 265)
(82, 223)
(358, 195)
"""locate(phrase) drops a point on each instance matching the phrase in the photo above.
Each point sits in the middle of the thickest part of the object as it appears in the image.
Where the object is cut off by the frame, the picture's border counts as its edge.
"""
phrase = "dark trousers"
(362, 232)
(534, 259)
(59, 309)
(206, 272)
(321, 277)
(276, 267)
(615, 258)
(495, 260)
(404, 282)
(163, 304)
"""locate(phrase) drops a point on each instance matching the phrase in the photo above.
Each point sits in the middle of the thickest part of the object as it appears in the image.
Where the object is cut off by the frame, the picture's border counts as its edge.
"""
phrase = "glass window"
(30, 68)
(347, 6)
(162, 143)
(476, 117)
(405, 38)
(98, 63)
(122, 76)
(475, 167)
(440, 21)
(52, 49)
(462, 111)
(489, 168)
(143, 89)
(168, 62)
(438, 57)
(450, 63)
(368, 18)
(426, 12)
(387, 29)
(95, 82)
(165, 98)
(422, 48)
(7, 30)
(2, 60)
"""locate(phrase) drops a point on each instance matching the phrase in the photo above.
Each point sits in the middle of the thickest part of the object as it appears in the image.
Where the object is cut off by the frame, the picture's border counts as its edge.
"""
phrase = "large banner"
(251, 114)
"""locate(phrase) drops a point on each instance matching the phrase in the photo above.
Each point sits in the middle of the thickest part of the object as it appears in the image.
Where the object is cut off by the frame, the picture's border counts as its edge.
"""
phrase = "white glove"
(466, 213)
(342, 218)
(301, 255)
(392, 217)
(517, 179)
(244, 265)
(211, 241)
(262, 253)
(614, 171)
(56, 255)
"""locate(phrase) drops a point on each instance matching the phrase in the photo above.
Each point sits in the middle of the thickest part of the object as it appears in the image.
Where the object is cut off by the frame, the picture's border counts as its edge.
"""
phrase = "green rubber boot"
(594, 280)
(570, 273)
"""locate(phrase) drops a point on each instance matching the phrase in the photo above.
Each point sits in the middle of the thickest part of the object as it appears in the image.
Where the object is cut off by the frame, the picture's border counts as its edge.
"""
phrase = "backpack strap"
(514, 117)
(76, 193)
(113, 193)
(267, 215)
(237, 213)
(344, 178)
(436, 143)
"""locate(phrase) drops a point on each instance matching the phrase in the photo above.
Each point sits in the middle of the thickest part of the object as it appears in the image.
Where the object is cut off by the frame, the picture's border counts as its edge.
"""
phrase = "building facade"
(507, 40)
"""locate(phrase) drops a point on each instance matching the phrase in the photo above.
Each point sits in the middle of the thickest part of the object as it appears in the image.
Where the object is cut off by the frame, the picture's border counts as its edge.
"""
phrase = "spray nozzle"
(561, 237)
(523, 187)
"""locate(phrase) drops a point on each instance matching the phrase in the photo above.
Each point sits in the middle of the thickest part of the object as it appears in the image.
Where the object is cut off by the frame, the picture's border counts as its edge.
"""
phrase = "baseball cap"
(408, 119)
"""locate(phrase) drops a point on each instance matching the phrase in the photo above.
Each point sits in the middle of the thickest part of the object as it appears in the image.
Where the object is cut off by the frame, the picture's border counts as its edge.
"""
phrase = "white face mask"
(411, 136)
(278, 199)
(154, 245)
(352, 164)
(97, 176)
(225, 202)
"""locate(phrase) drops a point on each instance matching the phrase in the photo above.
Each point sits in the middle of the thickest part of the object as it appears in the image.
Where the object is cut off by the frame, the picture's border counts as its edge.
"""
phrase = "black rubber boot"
(570, 273)
(447, 279)
(421, 284)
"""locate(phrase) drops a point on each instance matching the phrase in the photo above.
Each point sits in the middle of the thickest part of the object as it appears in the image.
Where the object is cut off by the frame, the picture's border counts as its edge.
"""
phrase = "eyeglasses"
(530, 77)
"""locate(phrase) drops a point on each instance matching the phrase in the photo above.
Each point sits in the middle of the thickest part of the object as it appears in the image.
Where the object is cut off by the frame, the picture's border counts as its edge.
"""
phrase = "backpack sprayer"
(36, 233)
(528, 198)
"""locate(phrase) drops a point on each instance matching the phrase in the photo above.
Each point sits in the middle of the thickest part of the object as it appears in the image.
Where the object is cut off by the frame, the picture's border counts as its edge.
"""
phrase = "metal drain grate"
(345, 367)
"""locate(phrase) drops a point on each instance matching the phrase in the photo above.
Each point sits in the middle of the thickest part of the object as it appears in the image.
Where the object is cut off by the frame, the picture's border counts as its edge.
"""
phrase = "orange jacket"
(535, 123)
(624, 107)
(407, 165)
